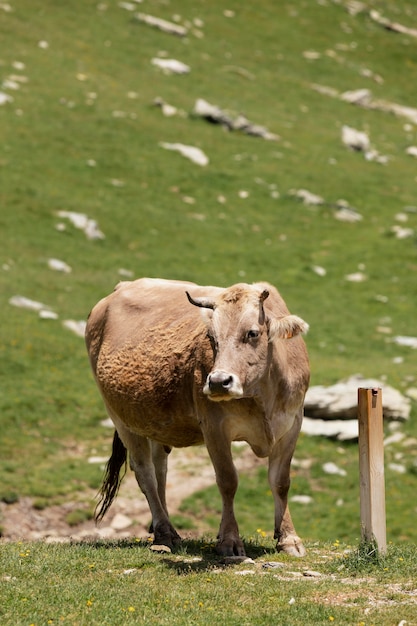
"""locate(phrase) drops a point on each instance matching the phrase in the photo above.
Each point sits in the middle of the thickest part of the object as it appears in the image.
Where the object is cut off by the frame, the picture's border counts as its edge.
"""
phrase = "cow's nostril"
(227, 383)
(220, 381)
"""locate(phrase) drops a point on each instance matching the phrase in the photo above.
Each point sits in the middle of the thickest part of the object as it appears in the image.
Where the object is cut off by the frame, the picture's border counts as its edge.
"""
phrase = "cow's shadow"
(196, 555)
(191, 555)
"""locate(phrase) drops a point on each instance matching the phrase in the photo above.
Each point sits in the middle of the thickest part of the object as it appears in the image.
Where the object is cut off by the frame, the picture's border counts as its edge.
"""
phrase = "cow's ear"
(286, 327)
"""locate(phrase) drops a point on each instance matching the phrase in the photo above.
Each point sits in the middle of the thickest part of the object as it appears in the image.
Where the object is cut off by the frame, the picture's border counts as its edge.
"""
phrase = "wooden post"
(371, 467)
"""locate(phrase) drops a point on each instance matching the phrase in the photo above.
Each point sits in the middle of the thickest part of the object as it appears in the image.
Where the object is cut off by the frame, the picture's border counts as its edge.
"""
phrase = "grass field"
(102, 583)
(80, 133)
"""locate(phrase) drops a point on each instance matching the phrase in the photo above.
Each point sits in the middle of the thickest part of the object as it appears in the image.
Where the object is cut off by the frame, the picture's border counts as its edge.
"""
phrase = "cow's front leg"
(279, 480)
(219, 448)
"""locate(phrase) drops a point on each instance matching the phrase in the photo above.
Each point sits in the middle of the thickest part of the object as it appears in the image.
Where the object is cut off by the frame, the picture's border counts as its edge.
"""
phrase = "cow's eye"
(253, 334)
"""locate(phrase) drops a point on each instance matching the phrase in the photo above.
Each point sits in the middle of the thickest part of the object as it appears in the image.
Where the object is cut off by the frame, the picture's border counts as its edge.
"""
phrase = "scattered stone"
(120, 522)
(331, 468)
(190, 152)
(412, 151)
(310, 573)
(78, 328)
(396, 467)
(394, 438)
(27, 303)
(300, 499)
(402, 233)
(127, 572)
(236, 560)
(167, 109)
(244, 572)
(341, 400)
(273, 565)
(320, 271)
(355, 139)
(59, 266)
(347, 214)
(48, 315)
(84, 223)
(171, 66)
(5, 98)
(308, 198)
(409, 342)
(212, 113)
(342, 430)
(363, 98)
(356, 277)
(359, 141)
(160, 24)
(160, 548)
(97, 459)
(394, 26)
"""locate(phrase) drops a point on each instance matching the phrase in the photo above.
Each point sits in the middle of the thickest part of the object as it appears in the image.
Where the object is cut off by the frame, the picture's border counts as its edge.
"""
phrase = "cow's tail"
(112, 477)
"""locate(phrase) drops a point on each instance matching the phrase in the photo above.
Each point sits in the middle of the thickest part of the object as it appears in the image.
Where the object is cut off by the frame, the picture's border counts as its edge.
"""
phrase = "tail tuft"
(112, 477)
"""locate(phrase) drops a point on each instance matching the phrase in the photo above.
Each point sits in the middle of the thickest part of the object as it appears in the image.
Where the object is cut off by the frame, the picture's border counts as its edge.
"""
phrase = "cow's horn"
(204, 303)
(264, 295)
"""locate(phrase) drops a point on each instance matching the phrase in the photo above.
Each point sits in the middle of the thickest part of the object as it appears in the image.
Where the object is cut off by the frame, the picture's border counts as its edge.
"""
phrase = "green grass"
(67, 115)
(120, 582)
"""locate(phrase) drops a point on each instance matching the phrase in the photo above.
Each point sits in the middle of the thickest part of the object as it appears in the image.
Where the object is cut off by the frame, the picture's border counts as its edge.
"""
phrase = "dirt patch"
(189, 471)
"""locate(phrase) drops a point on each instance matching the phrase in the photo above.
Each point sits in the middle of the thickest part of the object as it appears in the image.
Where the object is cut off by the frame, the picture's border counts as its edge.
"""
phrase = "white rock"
(356, 139)
(401, 232)
(77, 327)
(341, 400)
(342, 430)
(120, 522)
(164, 25)
(331, 468)
(394, 438)
(300, 499)
(171, 66)
(320, 271)
(84, 223)
(5, 98)
(403, 340)
(307, 197)
(27, 303)
(346, 214)
(48, 315)
(190, 152)
(356, 277)
(412, 151)
(59, 266)
(97, 459)
(396, 467)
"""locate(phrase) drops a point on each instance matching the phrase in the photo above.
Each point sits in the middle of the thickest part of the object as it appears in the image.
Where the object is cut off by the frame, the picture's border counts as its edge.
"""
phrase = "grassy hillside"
(80, 133)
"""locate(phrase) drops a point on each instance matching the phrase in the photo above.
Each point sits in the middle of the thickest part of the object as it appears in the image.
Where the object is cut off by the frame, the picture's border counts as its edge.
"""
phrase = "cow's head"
(241, 333)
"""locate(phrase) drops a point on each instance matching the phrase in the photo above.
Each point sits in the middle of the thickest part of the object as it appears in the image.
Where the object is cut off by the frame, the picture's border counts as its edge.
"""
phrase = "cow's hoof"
(166, 536)
(292, 545)
(230, 547)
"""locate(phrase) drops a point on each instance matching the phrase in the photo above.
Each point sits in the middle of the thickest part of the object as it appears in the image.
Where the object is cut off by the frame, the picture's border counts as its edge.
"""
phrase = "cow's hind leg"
(148, 460)
(279, 479)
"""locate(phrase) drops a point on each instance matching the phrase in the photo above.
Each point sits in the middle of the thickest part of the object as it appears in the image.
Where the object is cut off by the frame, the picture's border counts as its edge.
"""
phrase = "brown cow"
(172, 375)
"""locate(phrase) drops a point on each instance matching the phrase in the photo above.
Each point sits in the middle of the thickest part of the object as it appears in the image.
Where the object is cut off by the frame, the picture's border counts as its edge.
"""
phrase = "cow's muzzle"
(221, 385)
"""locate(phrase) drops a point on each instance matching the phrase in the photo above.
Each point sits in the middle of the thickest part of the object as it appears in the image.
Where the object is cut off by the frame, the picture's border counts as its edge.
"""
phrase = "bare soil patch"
(189, 471)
